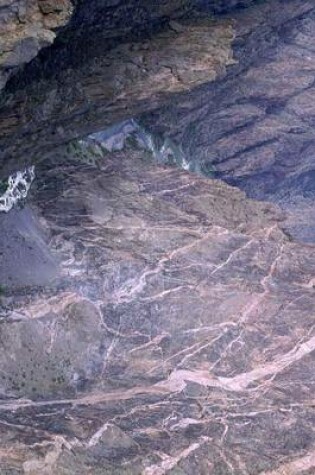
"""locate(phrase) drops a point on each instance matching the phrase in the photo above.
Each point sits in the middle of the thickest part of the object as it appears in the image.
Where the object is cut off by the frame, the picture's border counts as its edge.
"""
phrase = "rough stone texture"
(224, 6)
(126, 59)
(168, 328)
(131, 78)
(100, 73)
(256, 127)
(177, 339)
(25, 27)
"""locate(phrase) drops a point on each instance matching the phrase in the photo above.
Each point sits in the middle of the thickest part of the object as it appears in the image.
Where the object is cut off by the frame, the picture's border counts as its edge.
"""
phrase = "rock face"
(127, 80)
(256, 127)
(117, 60)
(25, 27)
(153, 321)
(176, 338)
(121, 70)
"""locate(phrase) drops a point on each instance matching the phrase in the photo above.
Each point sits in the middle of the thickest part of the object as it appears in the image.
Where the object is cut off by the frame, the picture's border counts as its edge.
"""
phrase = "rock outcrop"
(154, 321)
(255, 128)
(127, 80)
(177, 336)
(25, 27)
(108, 65)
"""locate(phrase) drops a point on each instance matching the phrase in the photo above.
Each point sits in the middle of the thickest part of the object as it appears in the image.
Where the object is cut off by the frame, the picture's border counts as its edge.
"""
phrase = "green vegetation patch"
(3, 186)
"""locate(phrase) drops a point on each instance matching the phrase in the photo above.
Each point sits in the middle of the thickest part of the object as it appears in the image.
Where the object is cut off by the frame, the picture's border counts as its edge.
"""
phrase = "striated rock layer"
(104, 69)
(117, 60)
(176, 335)
(255, 128)
(129, 79)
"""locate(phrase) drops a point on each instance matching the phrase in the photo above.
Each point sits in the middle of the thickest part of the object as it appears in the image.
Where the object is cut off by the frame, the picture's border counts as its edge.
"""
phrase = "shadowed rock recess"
(155, 320)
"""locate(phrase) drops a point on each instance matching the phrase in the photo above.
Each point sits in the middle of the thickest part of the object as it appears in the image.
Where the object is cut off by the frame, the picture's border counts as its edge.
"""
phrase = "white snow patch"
(18, 187)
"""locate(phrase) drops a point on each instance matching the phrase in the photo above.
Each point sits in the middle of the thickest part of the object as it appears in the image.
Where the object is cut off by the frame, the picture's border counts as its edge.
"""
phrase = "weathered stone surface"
(90, 79)
(127, 80)
(25, 27)
(153, 322)
(177, 338)
(256, 127)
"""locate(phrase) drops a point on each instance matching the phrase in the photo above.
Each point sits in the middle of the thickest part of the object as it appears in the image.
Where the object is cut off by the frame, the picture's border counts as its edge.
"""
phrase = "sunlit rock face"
(176, 335)
(25, 27)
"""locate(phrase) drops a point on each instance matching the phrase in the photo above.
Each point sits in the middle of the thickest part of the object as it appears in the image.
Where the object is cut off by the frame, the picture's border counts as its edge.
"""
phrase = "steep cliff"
(255, 128)
(108, 69)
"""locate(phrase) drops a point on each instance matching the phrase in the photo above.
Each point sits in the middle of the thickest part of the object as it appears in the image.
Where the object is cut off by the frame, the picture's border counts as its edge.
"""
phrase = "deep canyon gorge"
(157, 237)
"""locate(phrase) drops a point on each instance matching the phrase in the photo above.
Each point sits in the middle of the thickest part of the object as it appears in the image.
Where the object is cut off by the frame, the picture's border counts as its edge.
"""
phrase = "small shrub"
(3, 186)
(207, 169)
